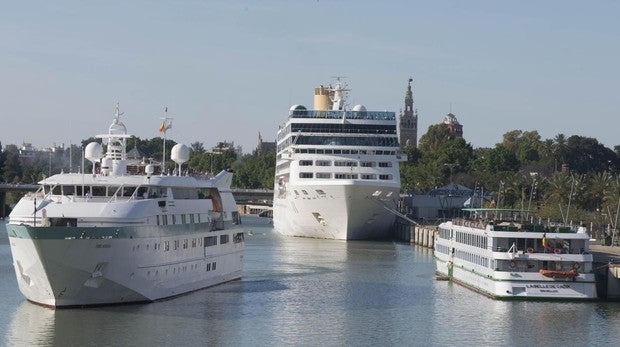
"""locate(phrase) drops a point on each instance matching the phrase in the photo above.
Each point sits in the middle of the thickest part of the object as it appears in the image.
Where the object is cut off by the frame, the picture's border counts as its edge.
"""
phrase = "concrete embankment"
(415, 234)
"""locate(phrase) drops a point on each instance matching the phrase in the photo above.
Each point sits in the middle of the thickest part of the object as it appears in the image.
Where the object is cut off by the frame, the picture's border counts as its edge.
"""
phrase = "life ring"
(530, 250)
(513, 264)
(557, 251)
(576, 266)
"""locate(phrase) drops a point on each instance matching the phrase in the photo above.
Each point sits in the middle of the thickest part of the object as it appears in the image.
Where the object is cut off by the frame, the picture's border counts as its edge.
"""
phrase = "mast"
(165, 125)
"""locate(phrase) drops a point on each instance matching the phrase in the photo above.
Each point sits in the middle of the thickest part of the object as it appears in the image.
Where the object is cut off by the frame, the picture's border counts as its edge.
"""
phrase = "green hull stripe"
(125, 232)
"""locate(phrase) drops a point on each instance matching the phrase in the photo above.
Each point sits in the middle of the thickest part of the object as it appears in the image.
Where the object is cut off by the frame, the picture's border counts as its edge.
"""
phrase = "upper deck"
(341, 115)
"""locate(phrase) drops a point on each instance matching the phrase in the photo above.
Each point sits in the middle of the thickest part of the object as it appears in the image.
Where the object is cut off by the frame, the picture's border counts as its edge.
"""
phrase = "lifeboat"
(572, 273)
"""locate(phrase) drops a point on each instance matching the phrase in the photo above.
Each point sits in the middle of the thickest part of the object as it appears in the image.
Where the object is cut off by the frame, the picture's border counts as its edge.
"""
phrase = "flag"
(162, 127)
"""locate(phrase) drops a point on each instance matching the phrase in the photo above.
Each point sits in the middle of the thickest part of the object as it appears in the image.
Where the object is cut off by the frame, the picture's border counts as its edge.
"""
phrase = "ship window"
(97, 191)
(337, 151)
(183, 219)
(56, 190)
(176, 244)
(185, 243)
(305, 175)
(328, 151)
(224, 239)
(210, 241)
(209, 267)
(68, 190)
(311, 150)
(305, 192)
(213, 266)
(345, 163)
(174, 219)
(191, 218)
(346, 151)
(305, 163)
(323, 175)
(346, 176)
(320, 192)
(238, 238)
(323, 163)
(193, 243)
(385, 164)
(367, 164)
(320, 151)
(158, 222)
(198, 215)
(385, 177)
(369, 177)
(353, 151)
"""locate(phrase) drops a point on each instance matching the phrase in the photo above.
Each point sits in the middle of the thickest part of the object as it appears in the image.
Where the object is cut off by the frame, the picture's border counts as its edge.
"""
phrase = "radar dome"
(93, 152)
(149, 169)
(297, 108)
(180, 153)
(359, 108)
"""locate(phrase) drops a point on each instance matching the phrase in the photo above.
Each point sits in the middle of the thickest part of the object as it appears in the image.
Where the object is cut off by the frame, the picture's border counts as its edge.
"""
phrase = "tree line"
(565, 179)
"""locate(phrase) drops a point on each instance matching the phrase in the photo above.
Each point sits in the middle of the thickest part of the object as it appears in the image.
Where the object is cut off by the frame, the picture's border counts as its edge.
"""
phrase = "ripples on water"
(306, 292)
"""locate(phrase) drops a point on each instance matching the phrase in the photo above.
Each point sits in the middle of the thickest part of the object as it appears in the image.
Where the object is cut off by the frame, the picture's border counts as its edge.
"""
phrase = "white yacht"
(109, 236)
(502, 254)
(337, 170)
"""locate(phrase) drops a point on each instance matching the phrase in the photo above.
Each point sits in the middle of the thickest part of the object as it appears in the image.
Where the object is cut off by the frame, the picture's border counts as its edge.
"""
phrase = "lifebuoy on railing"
(513, 264)
(530, 250)
(557, 251)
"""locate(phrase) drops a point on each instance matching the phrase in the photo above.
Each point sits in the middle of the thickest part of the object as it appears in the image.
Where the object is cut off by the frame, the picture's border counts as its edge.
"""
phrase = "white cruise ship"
(337, 170)
(502, 255)
(109, 237)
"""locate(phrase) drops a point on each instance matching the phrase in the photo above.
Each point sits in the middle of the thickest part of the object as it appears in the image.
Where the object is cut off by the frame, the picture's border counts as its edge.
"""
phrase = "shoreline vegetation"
(562, 179)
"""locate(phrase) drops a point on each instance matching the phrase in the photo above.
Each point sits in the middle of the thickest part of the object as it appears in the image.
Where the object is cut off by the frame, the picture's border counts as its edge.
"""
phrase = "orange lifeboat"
(572, 273)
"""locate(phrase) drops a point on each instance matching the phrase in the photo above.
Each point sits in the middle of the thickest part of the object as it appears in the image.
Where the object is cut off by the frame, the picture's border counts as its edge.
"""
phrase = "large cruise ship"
(115, 235)
(505, 255)
(337, 170)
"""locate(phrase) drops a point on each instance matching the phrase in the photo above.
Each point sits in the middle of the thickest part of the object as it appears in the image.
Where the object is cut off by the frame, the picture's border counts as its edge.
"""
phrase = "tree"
(586, 154)
(436, 135)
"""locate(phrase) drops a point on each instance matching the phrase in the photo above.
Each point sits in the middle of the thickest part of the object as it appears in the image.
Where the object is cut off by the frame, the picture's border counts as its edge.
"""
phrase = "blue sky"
(227, 70)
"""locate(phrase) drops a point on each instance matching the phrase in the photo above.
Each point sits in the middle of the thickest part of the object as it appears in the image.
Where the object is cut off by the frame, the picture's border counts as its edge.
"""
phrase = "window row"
(348, 176)
(178, 269)
(345, 163)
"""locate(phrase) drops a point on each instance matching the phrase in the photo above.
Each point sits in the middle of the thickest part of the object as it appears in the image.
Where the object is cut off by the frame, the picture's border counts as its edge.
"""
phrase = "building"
(408, 121)
(456, 129)
(264, 147)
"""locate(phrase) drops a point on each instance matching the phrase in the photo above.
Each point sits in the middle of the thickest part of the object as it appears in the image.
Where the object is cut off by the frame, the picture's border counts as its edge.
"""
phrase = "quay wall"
(423, 235)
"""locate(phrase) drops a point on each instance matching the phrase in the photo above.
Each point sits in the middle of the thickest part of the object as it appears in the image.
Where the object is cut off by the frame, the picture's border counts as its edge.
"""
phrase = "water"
(306, 292)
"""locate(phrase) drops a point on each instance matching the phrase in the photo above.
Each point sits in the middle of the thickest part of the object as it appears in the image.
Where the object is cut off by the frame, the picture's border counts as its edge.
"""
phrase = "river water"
(307, 292)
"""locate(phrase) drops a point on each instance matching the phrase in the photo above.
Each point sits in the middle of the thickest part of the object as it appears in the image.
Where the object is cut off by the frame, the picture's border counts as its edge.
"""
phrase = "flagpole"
(163, 165)
(163, 128)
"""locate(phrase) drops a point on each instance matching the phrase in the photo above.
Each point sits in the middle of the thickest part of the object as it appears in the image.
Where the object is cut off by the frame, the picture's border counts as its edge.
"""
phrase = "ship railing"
(335, 114)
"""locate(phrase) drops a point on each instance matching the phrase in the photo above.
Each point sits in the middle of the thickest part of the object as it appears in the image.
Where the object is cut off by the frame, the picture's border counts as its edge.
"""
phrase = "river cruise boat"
(337, 170)
(115, 235)
(503, 254)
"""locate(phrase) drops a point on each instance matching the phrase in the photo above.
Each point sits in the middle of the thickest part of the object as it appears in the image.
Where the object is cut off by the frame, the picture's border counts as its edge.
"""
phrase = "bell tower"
(408, 121)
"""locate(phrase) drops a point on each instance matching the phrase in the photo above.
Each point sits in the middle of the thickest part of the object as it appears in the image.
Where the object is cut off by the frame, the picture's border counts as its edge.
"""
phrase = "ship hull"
(64, 266)
(527, 287)
(344, 212)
